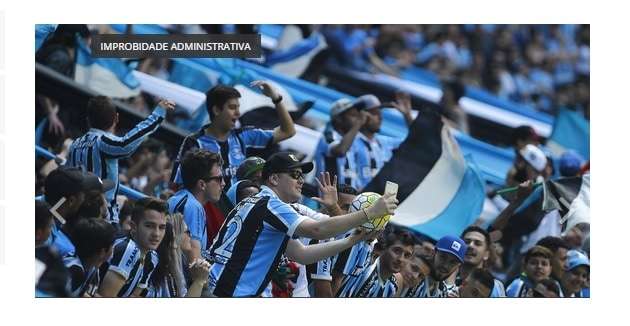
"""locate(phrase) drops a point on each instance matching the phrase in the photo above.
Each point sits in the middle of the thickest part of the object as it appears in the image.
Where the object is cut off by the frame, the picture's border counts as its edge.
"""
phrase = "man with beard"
(383, 279)
(478, 257)
(448, 258)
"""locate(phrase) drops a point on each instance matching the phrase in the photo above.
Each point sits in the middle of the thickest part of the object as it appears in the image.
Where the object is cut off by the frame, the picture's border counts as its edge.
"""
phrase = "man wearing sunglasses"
(264, 226)
(203, 182)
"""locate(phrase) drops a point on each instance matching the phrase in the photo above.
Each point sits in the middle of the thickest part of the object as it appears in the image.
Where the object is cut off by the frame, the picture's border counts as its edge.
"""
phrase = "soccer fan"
(478, 284)
(221, 136)
(449, 256)
(559, 249)
(537, 267)
(167, 281)
(68, 186)
(479, 256)
(262, 227)
(335, 151)
(99, 150)
(44, 222)
(241, 190)
(134, 257)
(416, 270)
(93, 239)
(575, 278)
(203, 182)
(372, 150)
(425, 247)
(251, 169)
(383, 278)
(328, 273)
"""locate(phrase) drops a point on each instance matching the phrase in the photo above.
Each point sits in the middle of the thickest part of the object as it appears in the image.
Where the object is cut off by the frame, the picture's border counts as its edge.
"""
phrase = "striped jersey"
(129, 262)
(440, 289)
(250, 244)
(82, 281)
(370, 285)
(519, 287)
(344, 167)
(98, 151)
(371, 155)
(184, 202)
(233, 150)
(351, 263)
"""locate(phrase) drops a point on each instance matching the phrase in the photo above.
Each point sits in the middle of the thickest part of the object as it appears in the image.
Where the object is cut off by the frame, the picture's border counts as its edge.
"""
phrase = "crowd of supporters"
(214, 219)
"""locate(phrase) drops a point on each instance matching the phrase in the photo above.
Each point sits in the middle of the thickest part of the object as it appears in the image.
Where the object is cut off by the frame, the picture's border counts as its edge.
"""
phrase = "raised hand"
(199, 270)
(168, 105)
(266, 88)
(327, 189)
(386, 205)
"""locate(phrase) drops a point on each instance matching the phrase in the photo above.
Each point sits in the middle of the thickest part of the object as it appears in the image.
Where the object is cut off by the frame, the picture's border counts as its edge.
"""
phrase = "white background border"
(609, 150)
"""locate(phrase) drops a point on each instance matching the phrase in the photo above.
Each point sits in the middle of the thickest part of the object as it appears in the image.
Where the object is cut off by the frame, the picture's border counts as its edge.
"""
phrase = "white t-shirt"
(301, 286)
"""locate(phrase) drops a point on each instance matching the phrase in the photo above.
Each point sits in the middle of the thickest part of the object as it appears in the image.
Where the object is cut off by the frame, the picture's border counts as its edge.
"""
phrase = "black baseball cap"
(92, 182)
(68, 181)
(282, 162)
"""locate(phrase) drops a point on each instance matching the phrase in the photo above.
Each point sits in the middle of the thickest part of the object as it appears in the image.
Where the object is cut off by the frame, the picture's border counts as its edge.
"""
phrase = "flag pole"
(512, 189)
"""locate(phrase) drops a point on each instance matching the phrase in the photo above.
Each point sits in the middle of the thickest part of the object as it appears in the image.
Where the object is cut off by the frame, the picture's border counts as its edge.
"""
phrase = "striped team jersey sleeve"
(150, 264)
(126, 256)
(127, 144)
(283, 218)
(256, 138)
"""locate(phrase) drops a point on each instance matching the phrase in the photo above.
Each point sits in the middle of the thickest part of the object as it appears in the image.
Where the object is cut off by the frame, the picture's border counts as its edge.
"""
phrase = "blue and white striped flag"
(107, 76)
(440, 193)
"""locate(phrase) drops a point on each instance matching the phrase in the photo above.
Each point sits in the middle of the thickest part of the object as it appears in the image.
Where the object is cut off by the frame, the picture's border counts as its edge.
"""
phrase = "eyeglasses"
(296, 174)
(217, 178)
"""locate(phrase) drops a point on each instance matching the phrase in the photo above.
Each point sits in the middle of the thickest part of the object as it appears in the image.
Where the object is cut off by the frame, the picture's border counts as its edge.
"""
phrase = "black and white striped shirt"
(132, 265)
(98, 152)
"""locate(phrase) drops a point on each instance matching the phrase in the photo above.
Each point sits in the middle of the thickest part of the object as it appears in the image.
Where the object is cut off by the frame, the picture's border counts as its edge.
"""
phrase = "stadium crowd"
(543, 66)
(217, 220)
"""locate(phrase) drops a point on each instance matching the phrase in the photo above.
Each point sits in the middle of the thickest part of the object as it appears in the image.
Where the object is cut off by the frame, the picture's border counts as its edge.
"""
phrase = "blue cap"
(570, 163)
(576, 258)
(452, 245)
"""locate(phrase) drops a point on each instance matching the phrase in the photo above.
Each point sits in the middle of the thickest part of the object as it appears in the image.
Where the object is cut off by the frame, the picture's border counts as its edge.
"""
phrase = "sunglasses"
(217, 178)
(297, 174)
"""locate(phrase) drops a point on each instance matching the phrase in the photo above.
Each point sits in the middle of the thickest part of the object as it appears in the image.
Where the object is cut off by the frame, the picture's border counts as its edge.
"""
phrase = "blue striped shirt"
(370, 285)
(250, 243)
(344, 167)
(371, 155)
(184, 202)
(98, 151)
(233, 150)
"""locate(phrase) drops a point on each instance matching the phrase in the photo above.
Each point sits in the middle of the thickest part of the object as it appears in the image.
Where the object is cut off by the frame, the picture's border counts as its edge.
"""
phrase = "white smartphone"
(391, 188)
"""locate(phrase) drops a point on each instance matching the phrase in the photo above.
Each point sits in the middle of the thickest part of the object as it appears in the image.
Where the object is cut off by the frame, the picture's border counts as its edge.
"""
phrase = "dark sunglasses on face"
(297, 174)
(217, 178)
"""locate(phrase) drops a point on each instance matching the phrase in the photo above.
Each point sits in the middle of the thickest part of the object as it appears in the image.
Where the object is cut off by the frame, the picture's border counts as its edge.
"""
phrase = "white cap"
(534, 156)
(340, 106)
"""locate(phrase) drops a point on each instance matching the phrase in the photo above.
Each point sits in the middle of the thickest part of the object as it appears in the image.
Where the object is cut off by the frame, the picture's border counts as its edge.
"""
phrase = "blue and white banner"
(440, 193)
(570, 131)
(107, 76)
